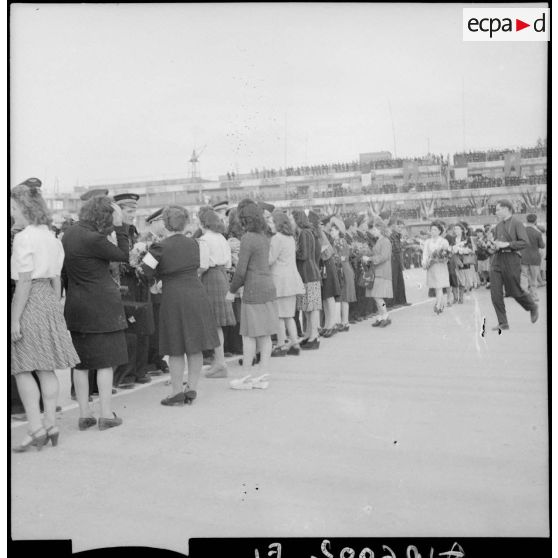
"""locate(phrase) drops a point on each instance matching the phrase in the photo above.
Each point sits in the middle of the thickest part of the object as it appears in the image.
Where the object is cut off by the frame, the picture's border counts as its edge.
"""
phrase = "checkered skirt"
(216, 284)
(46, 343)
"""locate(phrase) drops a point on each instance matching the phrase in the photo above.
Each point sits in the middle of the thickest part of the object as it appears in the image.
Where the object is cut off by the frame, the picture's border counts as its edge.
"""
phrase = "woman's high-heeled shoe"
(189, 397)
(34, 439)
(52, 435)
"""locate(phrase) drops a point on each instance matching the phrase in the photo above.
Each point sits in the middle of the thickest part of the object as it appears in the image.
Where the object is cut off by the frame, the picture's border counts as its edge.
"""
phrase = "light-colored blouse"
(282, 259)
(214, 250)
(37, 251)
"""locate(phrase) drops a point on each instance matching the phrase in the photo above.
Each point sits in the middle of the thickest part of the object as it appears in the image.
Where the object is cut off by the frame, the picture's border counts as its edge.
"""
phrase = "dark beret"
(95, 193)
(156, 215)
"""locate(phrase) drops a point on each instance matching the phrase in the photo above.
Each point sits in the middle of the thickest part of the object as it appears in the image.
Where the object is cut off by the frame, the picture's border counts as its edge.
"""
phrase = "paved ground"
(424, 428)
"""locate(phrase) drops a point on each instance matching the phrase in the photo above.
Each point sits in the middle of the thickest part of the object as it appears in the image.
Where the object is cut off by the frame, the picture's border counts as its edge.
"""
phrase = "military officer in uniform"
(156, 232)
(137, 305)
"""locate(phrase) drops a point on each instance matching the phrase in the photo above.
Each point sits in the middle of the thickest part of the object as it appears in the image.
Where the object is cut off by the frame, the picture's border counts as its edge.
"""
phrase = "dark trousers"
(231, 334)
(398, 284)
(505, 272)
(154, 359)
(128, 370)
(16, 404)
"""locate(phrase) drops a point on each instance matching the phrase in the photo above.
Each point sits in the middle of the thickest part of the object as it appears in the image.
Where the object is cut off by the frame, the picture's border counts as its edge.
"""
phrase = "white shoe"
(261, 382)
(242, 383)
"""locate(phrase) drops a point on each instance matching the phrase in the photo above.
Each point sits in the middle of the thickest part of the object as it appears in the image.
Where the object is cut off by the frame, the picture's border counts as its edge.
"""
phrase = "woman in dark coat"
(186, 321)
(331, 287)
(307, 257)
(94, 311)
(399, 297)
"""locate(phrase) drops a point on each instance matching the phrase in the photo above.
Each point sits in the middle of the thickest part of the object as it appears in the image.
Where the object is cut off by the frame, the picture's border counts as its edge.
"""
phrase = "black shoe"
(312, 345)
(377, 323)
(535, 314)
(327, 333)
(87, 422)
(143, 380)
(279, 352)
(293, 351)
(173, 400)
(189, 396)
(385, 323)
(105, 423)
(343, 327)
(303, 342)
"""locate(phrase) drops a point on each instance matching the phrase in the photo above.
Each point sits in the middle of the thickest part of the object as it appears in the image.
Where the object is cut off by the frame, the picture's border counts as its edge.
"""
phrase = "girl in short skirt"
(39, 337)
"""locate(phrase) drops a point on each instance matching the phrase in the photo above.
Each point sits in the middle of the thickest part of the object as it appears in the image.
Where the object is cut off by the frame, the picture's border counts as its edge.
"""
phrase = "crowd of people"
(115, 306)
(459, 258)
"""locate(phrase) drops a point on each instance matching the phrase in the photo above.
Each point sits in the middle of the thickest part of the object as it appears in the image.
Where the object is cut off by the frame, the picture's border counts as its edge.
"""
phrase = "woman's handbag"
(367, 278)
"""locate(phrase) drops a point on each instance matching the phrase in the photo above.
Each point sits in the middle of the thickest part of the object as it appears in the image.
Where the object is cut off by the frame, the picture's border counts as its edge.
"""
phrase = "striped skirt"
(216, 284)
(46, 343)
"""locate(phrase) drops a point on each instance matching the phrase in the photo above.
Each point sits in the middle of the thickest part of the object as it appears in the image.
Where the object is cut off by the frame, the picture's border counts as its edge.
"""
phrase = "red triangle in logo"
(519, 25)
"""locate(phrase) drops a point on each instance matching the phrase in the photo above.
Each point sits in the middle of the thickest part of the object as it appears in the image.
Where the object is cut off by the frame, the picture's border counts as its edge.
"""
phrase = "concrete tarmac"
(424, 428)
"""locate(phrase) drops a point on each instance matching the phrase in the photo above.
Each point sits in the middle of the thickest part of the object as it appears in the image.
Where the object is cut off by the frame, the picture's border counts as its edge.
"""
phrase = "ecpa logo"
(506, 24)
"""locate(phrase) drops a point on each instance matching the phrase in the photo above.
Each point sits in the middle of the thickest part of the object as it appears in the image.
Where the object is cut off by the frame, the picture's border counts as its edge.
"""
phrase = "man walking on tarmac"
(510, 237)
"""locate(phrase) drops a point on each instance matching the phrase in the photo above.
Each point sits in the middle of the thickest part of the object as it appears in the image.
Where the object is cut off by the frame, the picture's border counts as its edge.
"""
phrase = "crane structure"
(195, 161)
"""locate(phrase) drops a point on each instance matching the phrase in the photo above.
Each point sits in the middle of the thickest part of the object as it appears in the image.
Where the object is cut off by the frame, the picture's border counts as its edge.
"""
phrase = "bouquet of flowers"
(137, 253)
(441, 255)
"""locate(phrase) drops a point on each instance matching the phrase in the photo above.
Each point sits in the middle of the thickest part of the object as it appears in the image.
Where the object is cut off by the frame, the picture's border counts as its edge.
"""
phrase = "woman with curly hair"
(215, 260)
(258, 314)
(186, 322)
(39, 337)
(307, 257)
(435, 255)
(282, 259)
(233, 339)
(331, 287)
(94, 311)
(463, 259)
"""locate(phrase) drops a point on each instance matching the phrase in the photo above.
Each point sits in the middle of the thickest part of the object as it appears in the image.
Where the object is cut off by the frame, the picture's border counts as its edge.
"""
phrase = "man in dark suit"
(510, 237)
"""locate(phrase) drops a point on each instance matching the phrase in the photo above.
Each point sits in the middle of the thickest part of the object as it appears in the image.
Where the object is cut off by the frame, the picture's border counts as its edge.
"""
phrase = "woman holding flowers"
(435, 254)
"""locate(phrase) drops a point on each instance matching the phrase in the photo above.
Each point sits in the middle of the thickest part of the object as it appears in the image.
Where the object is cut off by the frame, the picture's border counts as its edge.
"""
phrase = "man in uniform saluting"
(510, 237)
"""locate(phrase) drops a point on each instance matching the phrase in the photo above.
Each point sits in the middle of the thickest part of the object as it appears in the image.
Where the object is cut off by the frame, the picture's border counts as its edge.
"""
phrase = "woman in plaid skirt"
(215, 259)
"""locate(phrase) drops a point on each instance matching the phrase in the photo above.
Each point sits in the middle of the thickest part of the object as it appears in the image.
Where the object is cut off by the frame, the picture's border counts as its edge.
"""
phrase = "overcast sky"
(107, 93)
